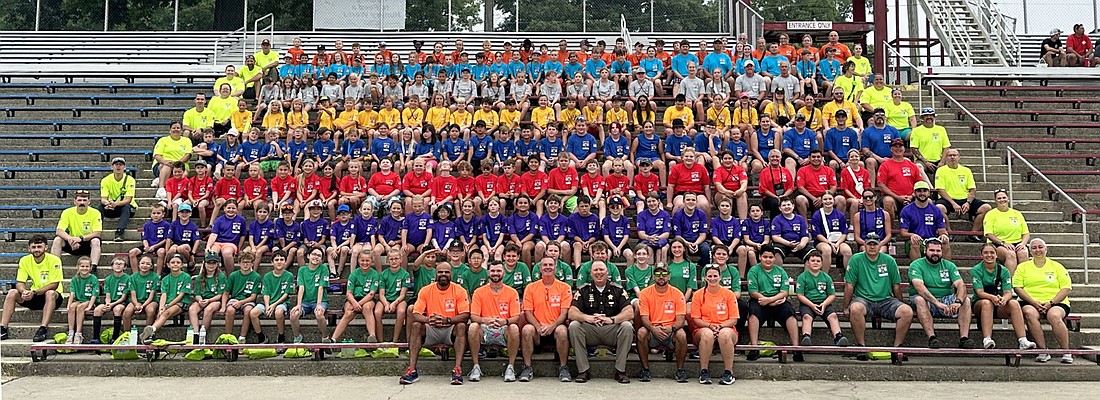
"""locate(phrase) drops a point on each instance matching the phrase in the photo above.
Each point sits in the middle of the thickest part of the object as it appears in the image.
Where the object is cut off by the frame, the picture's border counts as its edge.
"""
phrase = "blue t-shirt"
(522, 225)
(322, 149)
(841, 141)
(793, 229)
(802, 143)
(184, 233)
(615, 229)
(382, 147)
(878, 140)
(503, 149)
(675, 144)
(620, 67)
(616, 148)
(572, 68)
(480, 146)
(342, 231)
(755, 231)
(922, 221)
(552, 65)
(581, 146)
(416, 227)
(874, 221)
(535, 71)
(314, 231)
(725, 231)
(551, 149)
(689, 227)
(229, 230)
(527, 149)
(837, 223)
(443, 232)
(721, 61)
(492, 227)
(365, 228)
(258, 231)
(770, 64)
(515, 67)
(252, 151)
(156, 232)
(765, 142)
(593, 65)
(652, 66)
(740, 149)
(583, 227)
(701, 144)
(297, 150)
(647, 146)
(829, 68)
(356, 149)
(806, 69)
(454, 149)
(289, 233)
(552, 227)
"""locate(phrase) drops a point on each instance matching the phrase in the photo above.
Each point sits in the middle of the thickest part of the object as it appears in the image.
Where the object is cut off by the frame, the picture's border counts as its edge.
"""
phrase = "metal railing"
(1001, 31)
(257, 31)
(897, 78)
(746, 20)
(243, 31)
(981, 125)
(624, 32)
(1011, 153)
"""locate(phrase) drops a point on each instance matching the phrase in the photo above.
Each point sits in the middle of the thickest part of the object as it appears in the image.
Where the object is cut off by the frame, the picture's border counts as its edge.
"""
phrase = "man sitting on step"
(37, 286)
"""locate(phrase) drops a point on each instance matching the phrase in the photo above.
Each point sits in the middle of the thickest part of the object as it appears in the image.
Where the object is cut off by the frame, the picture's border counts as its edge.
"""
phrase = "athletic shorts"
(281, 308)
(806, 310)
(789, 251)
(975, 204)
(434, 335)
(886, 309)
(38, 302)
(493, 336)
(1063, 306)
(217, 247)
(657, 343)
(85, 248)
(778, 313)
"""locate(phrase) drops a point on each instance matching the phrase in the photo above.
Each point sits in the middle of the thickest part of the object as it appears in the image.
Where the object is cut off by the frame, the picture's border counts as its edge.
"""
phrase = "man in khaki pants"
(601, 315)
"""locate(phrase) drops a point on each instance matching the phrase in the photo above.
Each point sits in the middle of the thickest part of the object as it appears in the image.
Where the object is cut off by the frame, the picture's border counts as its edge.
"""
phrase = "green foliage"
(431, 15)
(804, 10)
(604, 16)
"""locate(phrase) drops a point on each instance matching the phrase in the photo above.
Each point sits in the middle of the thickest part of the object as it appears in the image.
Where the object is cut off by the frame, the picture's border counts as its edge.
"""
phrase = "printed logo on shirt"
(449, 306)
(945, 275)
(721, 308)
(882, 271)
(777, 280)
(669, 307)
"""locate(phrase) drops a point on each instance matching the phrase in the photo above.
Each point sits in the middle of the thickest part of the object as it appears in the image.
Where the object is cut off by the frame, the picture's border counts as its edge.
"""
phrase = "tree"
(803, 10)
(431, 15)
(604, 16)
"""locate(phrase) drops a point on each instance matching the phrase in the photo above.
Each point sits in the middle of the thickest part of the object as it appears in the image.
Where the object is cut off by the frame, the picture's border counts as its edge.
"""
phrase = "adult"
(199, 117)
(79, 230)
(752, 84)
(993, 299)
(252, 74)
(714, 315)
(896, 177)
(831, 110)
(876, 142)
(874, 290)
(768, 289)
(1043, 287)
(921, 221)
(799, 142)
(875, 97)
(236, 83)
(776, 183)
(268, 61)
(937, 290)
(900, 114)
(1006, 228)
(495, 316)
(929, 141)
(439, 318)
(957, 190)
(1078, 47)
(169, 149)
(116, 198)
(1051, 50)
(814, 181)
(601, 314)
(663, 313)
(546, 305)
(850, 83)
(842, 51)
(223, 106)
(43, 271)
(854, 180)
(690, 225)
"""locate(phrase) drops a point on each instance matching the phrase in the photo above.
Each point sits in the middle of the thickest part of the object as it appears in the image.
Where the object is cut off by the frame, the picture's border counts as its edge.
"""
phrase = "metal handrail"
(270, 28)
(747, 20)
(886, 71)
(1084, 215)
(981, 125)
(242, 30)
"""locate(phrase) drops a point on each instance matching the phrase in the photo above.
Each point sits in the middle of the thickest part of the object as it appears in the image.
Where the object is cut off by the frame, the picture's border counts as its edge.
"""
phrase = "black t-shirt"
(1054, 44)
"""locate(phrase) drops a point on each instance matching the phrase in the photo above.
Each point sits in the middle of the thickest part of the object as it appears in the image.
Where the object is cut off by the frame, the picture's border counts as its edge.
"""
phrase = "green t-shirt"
(175, 285)
(241, 286)
(937, 278)
(116, 287)
(469, 279)
(584, 274)
(423, 277)
(312, 280)
(210, 287)
(816, 288)
(981, 278)
(392, 282)
(683, 275)
(730, 278)
(768, 283)
(637, 278)
(361, 283)
(274, 287)
(144, 285)
(563, 273)
(518, 277)
(84, 288)
(873, 280)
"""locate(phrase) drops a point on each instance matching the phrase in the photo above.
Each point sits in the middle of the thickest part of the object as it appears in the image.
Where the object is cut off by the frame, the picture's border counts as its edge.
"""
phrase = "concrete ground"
(430, 387)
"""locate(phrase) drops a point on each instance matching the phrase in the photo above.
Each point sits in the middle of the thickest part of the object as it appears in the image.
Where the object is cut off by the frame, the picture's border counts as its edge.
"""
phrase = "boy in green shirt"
(312, 281)
(392, 291)
(472, 275)
(84, 289)
(116, 295)
(143, 289)
(599, 252)
(360, 294)
(516, 273)
(768, 299)
(277, 286)
(241, 291)
(816, 295)
(175, 295)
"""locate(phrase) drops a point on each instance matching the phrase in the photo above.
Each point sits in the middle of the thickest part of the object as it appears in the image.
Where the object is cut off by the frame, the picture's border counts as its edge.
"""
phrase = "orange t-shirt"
(546, 303)
(448, 302)
(488, 304)
(714, 308)
(662, 308)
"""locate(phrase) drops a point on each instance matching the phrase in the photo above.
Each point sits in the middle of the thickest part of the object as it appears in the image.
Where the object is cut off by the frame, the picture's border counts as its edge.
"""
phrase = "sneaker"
(798, 357)
(281, 338)
(645, 375)
(509, 374)
(841, 340)
(681, 376)
(988, 343)
(563, 373)
(242, 340)
(1026, 344)
(934, 342)
(40, 335)
(155, 182)
(120, 237)
(806, 340)
(967, 343)
(693, 355)
(79, 339)
(727, 378)
(456, 376)
(527, 372)
(752, 355)
(1042, 358)
(298, 339)
(475, 373)
(327, 341)
(69, 339)
(372, 339)
(410, 376)
(162, 194)
(261, 338)
(147, 334)
(704, 377)
(1067, 359)
(3, 333)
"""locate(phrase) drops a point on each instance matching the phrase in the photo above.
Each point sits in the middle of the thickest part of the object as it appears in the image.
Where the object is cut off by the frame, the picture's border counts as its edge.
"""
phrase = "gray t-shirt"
(753, 85)
(692, 88)
(604, 89)
(419, 90)
(577, 90)
(789, 83)
(552, 92)
(464, 89)
(718, 87)
(308, 94)
(392, 91)
(354, 93)
(641, 88)
(332, 91)
(520, 92)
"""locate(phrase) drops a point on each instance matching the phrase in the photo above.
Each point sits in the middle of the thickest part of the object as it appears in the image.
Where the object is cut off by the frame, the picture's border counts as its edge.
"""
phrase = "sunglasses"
(660, 274)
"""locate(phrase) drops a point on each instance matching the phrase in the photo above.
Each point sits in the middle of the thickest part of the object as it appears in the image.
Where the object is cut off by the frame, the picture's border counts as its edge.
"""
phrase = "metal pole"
(37, 13)
(1008, 157)
(449, 15)
(1085, 237)
(517, 15)
(381, 13)
(584, 15)
(105, 4)
(651, 12)
(176, 17)
(1025, 15)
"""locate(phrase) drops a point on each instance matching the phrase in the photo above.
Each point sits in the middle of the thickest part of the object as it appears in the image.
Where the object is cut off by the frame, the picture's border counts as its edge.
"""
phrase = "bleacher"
(97, 124)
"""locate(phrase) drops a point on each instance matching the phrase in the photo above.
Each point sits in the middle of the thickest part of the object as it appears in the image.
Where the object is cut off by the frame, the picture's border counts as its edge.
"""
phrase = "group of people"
(1077, 51)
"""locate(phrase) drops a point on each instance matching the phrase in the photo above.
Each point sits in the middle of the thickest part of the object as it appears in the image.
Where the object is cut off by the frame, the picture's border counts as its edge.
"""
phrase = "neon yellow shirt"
(41, 273)
(1042, 284)
(196, 119)
(76, 224)
(957, 182)
(222, 108)
(116, 190)
(236, 83)
(173, 149)
(897, 115)
(877, 98)
(1009, 226)
(930, 141)
(851, 86)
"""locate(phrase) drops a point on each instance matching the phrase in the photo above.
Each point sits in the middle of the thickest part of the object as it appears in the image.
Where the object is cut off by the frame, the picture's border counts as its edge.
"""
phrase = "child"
(468, 226)
(535, 182)
(353, 186)
(84, 288)
(442, 231)
(144, 285)
(202, 191)
(473, 274)
(297, 150)
(315, 230)
(362, 288)
(593, 185)
(241, 291)
(383, 186)
(178, 186)
(209, 296)
(284, 187)
(725, 229)
(616, 231)
(311, 295)
(739, 148)
(116, 296)
(640, 274)
(277, 286)
(323, 147)
(175, 294)
(522, 228)
(755, 232)
(389, 230)
(552, 229)
(261, 232)
(273, 150)
(155, 237)
(254, 189)
(241, 119)
(366, 228)
(516, 273)
(815, 297)
(288, 234)
(228, 188)
(328, 189)
(492, 230)
(393, 288)
(583, 228)
(227, 235)
(342, 238)
(416, 226)
(444, 188)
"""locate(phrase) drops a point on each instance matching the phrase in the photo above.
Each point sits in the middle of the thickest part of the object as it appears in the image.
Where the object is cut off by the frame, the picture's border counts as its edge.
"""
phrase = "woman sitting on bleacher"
(1006, 228)
(993, 299)
(1043, 287)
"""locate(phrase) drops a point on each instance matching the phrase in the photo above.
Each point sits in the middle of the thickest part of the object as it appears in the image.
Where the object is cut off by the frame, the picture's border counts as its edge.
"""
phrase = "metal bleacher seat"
(94, 98)
(51, 87)
(59, 124)
(83, 172)
(79, 111)
(104, 155)
(59, 191)
(56, 138)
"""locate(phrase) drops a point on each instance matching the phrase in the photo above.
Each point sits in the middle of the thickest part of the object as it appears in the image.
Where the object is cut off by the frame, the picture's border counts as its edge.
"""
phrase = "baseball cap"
(343, 208)
(324, 98)
(118, 160)
(213, 258)
(897, 142)
(749, 64)
(1055, 31)
(616, 201)
(660, 267)
(927, 111)
(265, 41)
(744, 95)
(382, 43)
(185, 207)
(872, 238)
(921, 185)
(644, 161)
(841, 112)
(677, 123)
(781, 90)
(201, 163)
(639, 70)
(879, 110)
(316, 204)
(233, 131)
(455, 245)
(799, 117)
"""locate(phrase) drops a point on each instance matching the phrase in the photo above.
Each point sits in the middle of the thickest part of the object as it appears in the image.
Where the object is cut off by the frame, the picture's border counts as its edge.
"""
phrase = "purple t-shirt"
(156, 232)
(583, 227)
(492, 227)
(341, 232)
(725, 231)
(390, 228)
(756, 231)
(443, 232)
(288, 233)
(184, 234)
(793, 229)
(314, 231)
(922, 221)
(229, 230)
(654, 224)
(837, 223)
(689, 227)
(257, 231)
(416, 226)
(365, 228)
(614, 229)
(552, 227)
(468, 229)
(522, 226)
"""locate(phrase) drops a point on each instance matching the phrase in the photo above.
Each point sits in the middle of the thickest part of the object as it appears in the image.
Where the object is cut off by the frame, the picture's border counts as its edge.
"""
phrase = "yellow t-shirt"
(592, 114)
(262, 60)
(274, 120)
(76, 224)
(1042, 284)
(612, 116)
(325, 120)
(685, 114)
(877, 98)
(461, 117)
(437, 116)
(391, 117)
(367, 118)
(775, 110)
(897, 115)
(542, 116)
(413, 116)
(957, 182)
(195, 119)
(721, 117)
(1009, 226)
(116, 190)
(862, 64)
(41, 273)
(222, 108)
(569, 117)
(241, 120)
(236, 83)
(645, 116)
(851, 86)
(247, 74)
(829, 111)
(490, 117)
(929, 141)
(747, 116)
(172, 149)
(813, 117)
(509, 119)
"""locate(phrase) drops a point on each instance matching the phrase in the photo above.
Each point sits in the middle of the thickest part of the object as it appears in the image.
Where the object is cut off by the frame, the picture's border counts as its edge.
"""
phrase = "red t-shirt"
(769, 177)
(683, 179)
(559, 180)
(323, 185)
(417, 184)
(899, 177)
(228, 188)
(284, 188)
(201, 187)
(511, 184)
(590, 184)
(816, 181)
(730, 178)
(1079, 45)
(443, 187)
(644, 185)
(535, 183)
(353, 184)
(255, 188)
(487, 185)
(177, 187)
(384, 184)
(848, 183)
(665, 58)
(466, 186)
(309, 185)
(617, 181)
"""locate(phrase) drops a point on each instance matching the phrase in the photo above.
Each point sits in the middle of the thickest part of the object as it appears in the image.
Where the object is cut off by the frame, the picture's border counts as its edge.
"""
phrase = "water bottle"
(892, 249)
(133, 336)
(347, 352)
(790, 286)
(202, 335)
(190, 339)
